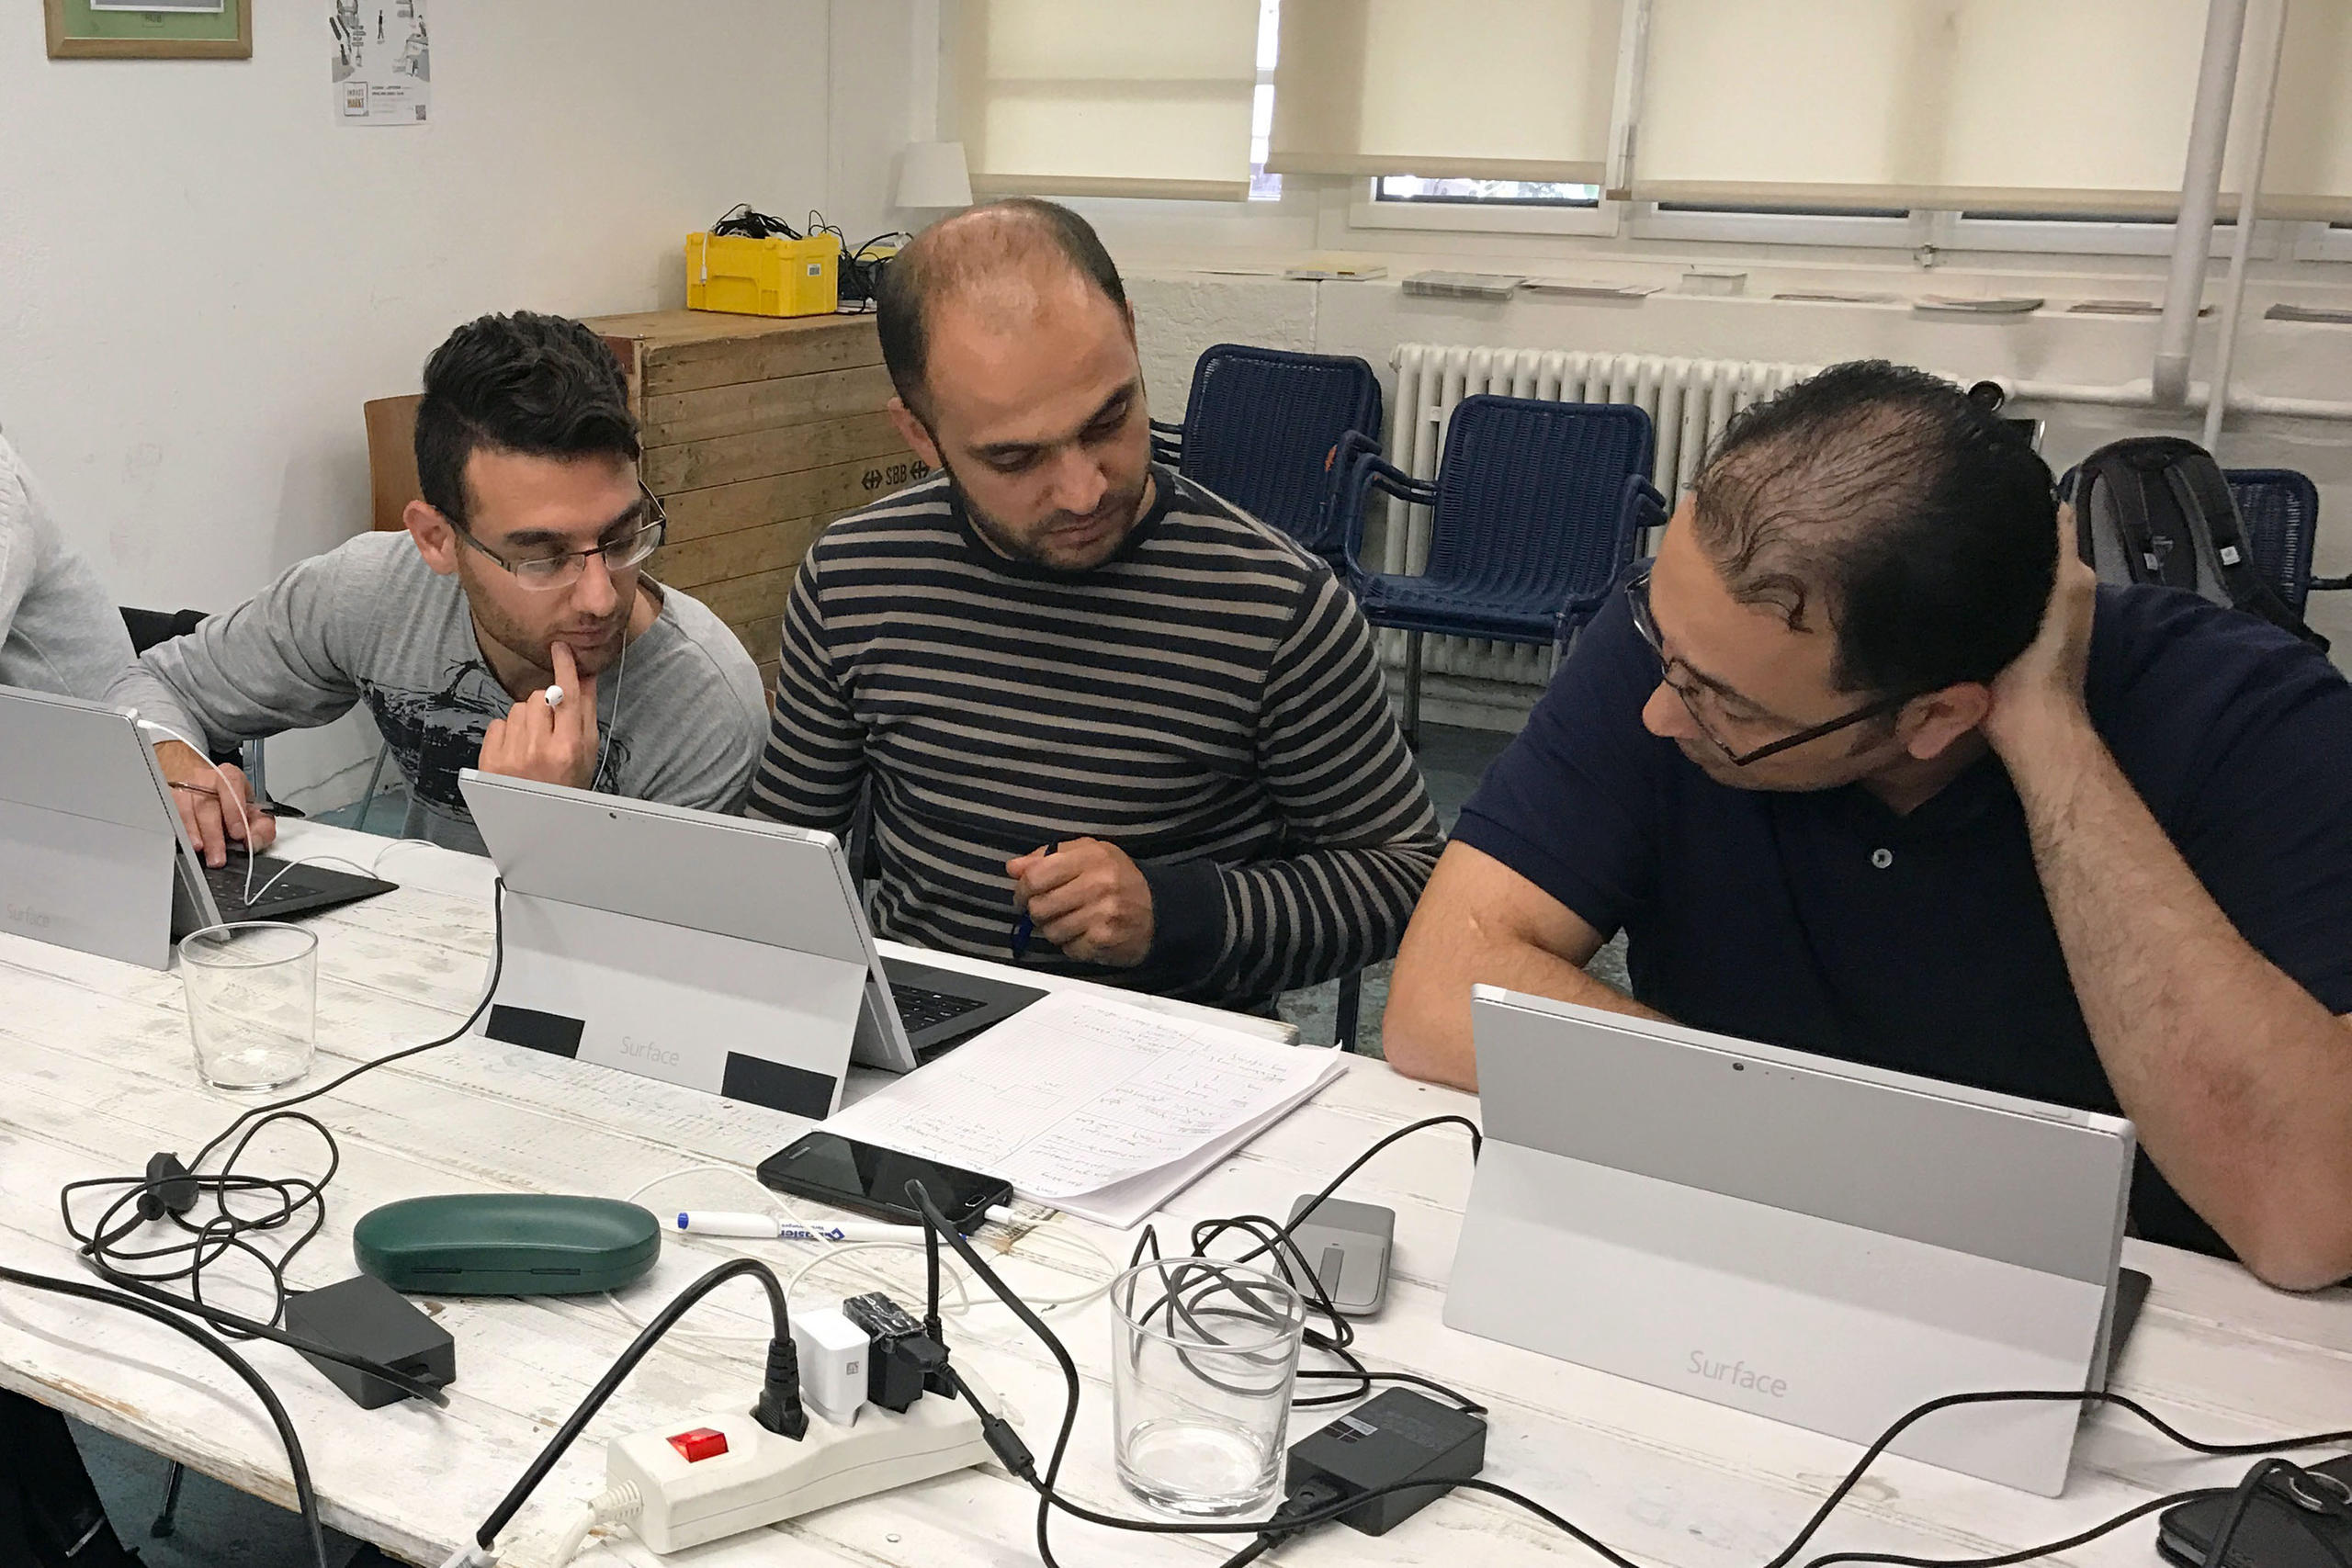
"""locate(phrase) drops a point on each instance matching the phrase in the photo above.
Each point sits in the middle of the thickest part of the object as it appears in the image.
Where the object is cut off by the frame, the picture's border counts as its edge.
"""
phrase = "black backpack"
(2157, 509)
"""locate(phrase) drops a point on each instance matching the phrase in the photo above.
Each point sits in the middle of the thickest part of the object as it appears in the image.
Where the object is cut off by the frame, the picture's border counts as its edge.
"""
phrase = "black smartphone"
(866, 1179)
(2293, 1522)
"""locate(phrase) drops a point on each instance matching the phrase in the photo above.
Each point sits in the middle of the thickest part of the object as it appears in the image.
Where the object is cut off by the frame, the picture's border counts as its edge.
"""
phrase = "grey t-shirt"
(59, 630)
(683, 718)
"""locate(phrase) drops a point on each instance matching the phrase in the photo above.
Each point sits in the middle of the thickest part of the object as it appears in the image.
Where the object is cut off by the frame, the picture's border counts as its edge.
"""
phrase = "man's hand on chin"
(552, 743)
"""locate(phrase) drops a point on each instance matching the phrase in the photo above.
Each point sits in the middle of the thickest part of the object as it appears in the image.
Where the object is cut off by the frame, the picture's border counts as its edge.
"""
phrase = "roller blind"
(2308, 174)
(1108, 97)
(1473, 89)
(2027, 106)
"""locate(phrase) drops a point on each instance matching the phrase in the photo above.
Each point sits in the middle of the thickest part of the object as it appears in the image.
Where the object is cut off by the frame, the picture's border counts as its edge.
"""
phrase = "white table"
(95, 1074)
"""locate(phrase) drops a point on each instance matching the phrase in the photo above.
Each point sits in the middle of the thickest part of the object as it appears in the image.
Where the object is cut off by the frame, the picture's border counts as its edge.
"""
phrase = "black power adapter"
(903, 1360)
(1396, 1437)
(365, 1317)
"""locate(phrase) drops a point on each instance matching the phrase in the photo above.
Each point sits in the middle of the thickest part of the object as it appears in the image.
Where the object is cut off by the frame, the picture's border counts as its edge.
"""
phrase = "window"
(1521, 193)
(1265, 186)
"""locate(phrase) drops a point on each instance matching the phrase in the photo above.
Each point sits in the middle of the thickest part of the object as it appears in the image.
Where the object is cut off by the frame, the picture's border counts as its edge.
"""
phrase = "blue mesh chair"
(2280, 509)
(1268, 432)
(1537, 508)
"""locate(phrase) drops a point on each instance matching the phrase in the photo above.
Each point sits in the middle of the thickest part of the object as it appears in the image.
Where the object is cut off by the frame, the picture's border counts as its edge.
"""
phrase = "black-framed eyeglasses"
(1638, 594)
(540, 574)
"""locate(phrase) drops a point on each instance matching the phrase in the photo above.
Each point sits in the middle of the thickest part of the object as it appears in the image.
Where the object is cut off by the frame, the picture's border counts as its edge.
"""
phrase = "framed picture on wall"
(150, 29)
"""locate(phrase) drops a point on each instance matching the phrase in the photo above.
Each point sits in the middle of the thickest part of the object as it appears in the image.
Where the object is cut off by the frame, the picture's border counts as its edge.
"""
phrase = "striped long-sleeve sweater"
(1208, 700)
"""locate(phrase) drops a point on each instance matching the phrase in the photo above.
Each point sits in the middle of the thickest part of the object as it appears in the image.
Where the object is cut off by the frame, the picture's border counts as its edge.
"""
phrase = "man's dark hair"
(953, 252)
(541, 386)
(1885, 501)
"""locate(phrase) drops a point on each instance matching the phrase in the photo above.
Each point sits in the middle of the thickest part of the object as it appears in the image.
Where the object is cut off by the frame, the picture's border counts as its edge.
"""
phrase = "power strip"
(747, 1476)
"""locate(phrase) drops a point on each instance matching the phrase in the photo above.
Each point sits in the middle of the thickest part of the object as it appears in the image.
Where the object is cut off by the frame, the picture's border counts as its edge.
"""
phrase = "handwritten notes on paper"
(1091, 1105)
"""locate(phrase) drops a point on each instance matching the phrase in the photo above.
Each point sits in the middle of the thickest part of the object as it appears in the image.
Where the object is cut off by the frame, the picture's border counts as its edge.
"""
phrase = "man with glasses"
(512, 628)
(1867, 764)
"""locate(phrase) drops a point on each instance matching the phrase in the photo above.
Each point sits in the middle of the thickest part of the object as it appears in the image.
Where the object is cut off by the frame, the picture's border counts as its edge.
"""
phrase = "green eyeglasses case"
(506, 1244)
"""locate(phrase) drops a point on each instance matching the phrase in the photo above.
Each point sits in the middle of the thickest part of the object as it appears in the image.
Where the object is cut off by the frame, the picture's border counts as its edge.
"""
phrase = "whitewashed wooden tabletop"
(95, 1074)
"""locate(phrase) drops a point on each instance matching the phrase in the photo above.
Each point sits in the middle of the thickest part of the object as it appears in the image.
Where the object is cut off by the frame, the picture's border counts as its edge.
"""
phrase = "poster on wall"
(382, 63)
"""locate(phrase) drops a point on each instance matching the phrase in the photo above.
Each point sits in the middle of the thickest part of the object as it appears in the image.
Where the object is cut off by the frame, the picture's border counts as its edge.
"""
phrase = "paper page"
(1076, 1094)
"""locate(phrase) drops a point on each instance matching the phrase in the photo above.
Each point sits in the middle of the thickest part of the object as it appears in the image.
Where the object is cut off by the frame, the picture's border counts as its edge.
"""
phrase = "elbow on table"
(2295, 1249)
(1424, 1039)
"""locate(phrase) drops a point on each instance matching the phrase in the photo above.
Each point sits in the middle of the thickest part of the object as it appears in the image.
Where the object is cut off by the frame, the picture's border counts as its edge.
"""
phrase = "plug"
(779, 1407)
(170, 1187)
(904, 1360)
(1397, 1435)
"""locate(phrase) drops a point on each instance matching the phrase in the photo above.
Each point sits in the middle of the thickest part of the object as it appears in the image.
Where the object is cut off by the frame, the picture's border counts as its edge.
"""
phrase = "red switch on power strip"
(703, 1443)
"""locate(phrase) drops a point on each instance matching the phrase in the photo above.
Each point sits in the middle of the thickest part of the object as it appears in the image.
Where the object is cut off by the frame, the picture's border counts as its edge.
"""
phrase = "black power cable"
(1014, 1454)
(775, 1407)
(171, 1191)
(306, 1499)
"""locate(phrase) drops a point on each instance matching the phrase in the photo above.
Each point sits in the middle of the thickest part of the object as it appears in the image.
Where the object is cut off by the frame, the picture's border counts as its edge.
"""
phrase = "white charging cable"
(227, 792)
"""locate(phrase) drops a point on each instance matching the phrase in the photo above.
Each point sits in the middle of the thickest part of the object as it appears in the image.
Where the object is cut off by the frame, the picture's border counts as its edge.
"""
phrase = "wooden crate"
(758, 432)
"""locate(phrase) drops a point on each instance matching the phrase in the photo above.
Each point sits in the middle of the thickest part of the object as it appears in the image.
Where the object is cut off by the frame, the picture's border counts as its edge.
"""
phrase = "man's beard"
(538, 647)
(1126, 505)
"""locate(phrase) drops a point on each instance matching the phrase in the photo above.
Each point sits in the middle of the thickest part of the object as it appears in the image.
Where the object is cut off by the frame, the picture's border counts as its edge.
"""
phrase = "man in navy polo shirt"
(1867, 765)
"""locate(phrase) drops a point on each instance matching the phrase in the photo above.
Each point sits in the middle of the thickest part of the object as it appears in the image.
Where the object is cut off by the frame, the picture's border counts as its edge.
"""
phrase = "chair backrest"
(1263, 428)
(2279, 508)
(391, 456)
(148, 627)
(1531, 494)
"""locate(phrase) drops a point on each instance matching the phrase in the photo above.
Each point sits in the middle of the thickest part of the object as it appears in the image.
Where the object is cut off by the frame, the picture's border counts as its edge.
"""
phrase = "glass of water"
(1203, 1355)
(253, 1003)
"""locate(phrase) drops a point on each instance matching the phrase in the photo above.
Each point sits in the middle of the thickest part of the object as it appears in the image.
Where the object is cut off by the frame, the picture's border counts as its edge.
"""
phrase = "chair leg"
(1413, 691)
(1351, 1008)
(256, 770)
(375, 777)
(168, 1517)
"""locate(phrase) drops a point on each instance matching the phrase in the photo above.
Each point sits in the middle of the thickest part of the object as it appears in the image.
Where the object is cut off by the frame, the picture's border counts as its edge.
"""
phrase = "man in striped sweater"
(1090, 698)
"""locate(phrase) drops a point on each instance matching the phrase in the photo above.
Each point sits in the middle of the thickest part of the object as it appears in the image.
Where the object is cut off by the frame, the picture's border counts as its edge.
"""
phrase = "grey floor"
(219, 1527)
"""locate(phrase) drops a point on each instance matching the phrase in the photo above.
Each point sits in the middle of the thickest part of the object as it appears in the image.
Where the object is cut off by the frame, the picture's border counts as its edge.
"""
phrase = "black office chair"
(148, 627)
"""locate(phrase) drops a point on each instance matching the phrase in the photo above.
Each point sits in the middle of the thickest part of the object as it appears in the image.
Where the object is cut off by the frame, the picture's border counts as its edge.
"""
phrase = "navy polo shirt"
(1826, 923)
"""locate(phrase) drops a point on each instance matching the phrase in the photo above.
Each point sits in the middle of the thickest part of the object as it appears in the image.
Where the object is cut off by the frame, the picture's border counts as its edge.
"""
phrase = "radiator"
(1688, 401)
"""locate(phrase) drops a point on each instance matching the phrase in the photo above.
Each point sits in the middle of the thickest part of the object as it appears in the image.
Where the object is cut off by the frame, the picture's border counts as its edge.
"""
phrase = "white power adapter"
(833, 1363)
(706, 1478)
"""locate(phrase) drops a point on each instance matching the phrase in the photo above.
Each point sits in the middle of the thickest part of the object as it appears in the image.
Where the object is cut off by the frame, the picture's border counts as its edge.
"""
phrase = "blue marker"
(1023, 928)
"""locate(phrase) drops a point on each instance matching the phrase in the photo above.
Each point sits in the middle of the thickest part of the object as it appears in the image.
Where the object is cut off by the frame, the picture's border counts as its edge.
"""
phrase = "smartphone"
(2292, 1522)
(867, 1179)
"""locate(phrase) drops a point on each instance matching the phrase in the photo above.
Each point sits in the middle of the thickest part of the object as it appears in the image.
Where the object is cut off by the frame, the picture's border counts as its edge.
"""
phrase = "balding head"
(1006, 261)
(1882, 503)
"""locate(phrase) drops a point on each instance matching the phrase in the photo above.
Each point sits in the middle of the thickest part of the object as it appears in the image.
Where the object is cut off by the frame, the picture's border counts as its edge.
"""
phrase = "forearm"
(2239, 1080)
(1253, 931)
(1426, 1032)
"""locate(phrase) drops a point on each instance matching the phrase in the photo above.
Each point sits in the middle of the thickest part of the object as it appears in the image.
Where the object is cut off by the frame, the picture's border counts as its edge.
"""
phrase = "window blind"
(1473, 89)
(2018, 106)
(1108, 97)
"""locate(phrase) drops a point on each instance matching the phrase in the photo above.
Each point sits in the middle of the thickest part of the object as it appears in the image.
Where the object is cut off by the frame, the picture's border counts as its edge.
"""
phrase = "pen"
(1023, 928)
(710, 1222)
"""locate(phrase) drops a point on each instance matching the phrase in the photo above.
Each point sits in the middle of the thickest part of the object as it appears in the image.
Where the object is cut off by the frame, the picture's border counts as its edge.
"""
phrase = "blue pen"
(1022, 930)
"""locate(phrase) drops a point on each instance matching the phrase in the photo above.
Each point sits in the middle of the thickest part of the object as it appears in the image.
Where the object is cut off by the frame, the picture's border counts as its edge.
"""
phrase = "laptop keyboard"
(920, 1010)
(270, 888)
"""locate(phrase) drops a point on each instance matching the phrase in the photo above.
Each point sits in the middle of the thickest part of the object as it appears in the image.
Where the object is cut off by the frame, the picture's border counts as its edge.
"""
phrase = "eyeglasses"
(540, 574)
(1638, 594)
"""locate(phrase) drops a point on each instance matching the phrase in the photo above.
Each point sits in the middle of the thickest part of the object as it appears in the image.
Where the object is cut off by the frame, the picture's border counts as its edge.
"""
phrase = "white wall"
(202, 276)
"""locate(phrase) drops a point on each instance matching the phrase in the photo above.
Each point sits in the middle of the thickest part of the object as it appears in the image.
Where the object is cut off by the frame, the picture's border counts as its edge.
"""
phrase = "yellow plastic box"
(763, 278)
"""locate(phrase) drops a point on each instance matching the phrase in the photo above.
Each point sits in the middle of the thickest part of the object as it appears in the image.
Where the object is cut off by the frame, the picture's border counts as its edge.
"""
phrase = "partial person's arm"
(59, 630)
(814, 765)
(272, 664)
(2239, 1080)
(1356, 815)
(1481, 923)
